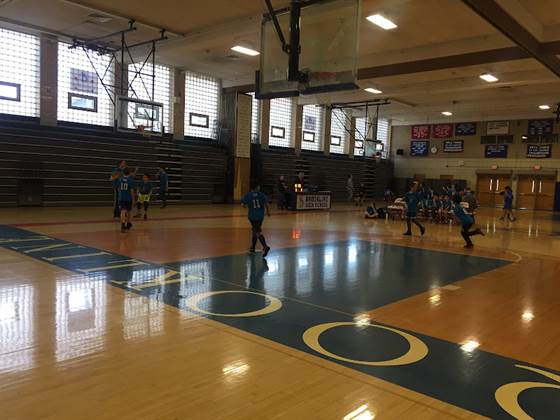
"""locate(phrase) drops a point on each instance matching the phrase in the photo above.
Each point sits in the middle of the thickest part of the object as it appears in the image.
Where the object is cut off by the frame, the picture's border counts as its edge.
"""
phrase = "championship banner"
(540, 127)
(496, 151)
(539, 151)
(419, 148)
(497, 127)
(442, 131)
(453, 146)
(465, 129)
(419, 132)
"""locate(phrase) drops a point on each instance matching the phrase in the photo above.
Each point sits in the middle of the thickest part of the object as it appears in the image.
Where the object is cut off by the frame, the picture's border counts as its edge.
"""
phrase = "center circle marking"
(417, 351)
(194, 301)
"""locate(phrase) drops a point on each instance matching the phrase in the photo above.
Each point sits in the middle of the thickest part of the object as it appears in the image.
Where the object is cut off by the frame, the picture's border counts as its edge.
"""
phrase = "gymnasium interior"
(353, 120)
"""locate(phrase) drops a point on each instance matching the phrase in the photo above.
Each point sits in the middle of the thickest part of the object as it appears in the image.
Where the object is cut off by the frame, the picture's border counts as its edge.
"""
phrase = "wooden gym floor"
(346, 318)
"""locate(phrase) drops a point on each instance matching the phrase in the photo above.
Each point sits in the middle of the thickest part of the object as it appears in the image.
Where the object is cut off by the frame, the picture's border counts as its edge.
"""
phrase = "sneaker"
(422, 231)
(129, 225)
(407, 234)
(251, 250)
(480, 232)
(123, 229)
(469, 246)
(266, 250)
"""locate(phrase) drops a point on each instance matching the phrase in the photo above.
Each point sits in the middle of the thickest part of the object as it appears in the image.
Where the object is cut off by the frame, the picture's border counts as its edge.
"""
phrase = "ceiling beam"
(442, 63)
(493, 13)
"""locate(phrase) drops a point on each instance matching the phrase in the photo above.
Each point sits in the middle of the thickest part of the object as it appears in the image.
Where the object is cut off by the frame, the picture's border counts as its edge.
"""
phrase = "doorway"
(536, 192)
(489, 186)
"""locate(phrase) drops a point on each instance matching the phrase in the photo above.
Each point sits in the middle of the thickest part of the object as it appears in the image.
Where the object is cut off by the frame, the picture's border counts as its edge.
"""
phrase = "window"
(338, 131)
(19, 74)
(82, 102)
(82, 98)
(312, 127)
(281, 120)
(255, 119)
(10, 91)
(278, 132)
(308, 137)
(383, 135)
(141, 83)
(202, 97)
(361, 134)
(198, 120)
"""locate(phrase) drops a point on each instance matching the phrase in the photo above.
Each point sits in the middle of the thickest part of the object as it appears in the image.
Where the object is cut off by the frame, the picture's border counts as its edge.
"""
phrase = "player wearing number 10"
(257, 202)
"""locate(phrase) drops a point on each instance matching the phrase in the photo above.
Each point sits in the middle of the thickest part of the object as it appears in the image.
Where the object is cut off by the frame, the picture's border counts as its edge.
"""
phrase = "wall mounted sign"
(419, 147)
(310, 123)
(539, 127)
(420, 132)
(539, 151)
(496, 151)
(465, 129)
(453, 146)
(442, 131)
(497, 127)
(83, 81)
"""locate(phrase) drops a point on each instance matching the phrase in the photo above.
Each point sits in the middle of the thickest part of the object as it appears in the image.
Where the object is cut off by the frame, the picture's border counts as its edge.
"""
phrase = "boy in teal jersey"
(466, 221)
(125, 188)
(256, 202)
(412, 199)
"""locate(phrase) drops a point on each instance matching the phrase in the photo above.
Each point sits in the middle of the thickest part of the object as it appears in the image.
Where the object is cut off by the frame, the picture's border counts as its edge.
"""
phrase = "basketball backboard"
(139, 115)
(329, 33)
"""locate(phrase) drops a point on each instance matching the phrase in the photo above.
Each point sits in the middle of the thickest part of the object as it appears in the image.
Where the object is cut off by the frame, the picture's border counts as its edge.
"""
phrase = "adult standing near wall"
(350, 188)
(283, 197)
(163, 186)
(115, 176)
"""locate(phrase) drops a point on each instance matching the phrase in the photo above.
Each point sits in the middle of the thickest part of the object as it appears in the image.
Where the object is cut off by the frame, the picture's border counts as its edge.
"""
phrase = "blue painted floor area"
(350, 276)
(305, 288)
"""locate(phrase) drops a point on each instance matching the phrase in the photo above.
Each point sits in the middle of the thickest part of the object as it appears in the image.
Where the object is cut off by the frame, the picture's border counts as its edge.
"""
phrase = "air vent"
(99, 18)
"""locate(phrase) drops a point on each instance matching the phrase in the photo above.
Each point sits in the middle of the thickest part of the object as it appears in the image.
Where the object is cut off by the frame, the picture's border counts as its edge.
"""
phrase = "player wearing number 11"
(256, 202)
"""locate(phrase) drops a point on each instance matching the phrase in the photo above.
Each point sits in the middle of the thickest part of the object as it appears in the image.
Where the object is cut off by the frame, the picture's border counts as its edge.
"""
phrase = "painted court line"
(427, 365)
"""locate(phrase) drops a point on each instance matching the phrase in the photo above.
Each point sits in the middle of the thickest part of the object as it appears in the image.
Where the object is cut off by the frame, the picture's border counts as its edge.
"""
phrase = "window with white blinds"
(338, 131)
(140, 87)
(361, 134)
(82, 98)
(281, 122)
(383, 134)
(312, 127)
(202, 104)
(255, 119)
(19, 73)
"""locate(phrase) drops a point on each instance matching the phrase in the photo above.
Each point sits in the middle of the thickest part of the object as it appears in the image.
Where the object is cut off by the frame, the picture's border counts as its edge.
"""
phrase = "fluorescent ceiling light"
(488, 77)
(373, 90)
(244, 50)
(447, 113)
(544, 107)
(381, 21)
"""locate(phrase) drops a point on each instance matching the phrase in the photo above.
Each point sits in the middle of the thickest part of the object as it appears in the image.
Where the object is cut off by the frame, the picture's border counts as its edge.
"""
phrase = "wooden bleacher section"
(73, 164)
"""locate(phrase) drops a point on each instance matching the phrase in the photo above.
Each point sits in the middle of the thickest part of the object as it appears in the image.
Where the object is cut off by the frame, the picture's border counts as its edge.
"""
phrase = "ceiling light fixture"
(544, 107)
(245, 50)
(382, 22)
(488, 77)
(447, 113)
(373, 90)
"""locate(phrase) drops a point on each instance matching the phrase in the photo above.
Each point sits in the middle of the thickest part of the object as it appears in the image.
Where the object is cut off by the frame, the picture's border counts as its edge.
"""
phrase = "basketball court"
(346, 318)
